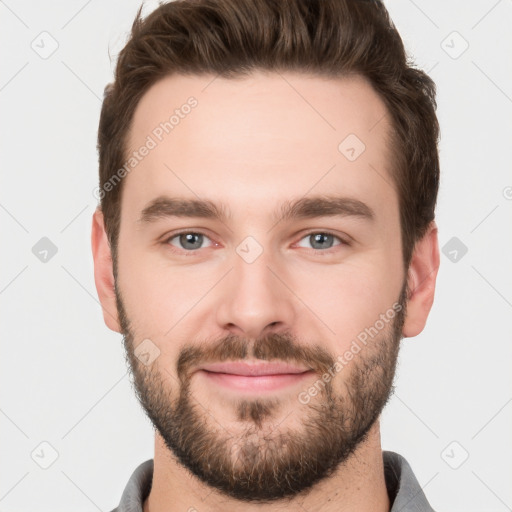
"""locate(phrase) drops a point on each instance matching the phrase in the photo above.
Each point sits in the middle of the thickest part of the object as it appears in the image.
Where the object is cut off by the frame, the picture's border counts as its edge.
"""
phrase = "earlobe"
(421, 281)
(103, 271)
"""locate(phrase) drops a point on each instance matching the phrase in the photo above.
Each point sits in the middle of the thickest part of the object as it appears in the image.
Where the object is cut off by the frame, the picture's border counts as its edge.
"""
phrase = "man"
(266, 237)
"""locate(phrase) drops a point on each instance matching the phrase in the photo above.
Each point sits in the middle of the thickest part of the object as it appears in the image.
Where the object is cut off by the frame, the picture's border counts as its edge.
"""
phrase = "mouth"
(255, 377)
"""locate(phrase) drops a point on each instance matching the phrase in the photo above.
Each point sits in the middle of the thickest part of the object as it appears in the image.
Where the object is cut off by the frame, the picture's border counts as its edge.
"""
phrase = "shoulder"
(404, 490)
(137, 489)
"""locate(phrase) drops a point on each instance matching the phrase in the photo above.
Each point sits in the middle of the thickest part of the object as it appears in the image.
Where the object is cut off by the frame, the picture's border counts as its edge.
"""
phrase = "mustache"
(274, 346)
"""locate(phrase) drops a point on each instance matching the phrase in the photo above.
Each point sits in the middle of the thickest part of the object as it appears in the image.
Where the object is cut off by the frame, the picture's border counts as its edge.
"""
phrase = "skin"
(253, 144)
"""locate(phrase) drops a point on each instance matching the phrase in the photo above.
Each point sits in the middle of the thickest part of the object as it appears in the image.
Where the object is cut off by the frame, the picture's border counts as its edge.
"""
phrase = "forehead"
(264, 137)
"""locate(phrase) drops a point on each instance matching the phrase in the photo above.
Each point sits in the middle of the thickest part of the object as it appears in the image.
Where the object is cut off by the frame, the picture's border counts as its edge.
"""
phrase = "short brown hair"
(231, 38)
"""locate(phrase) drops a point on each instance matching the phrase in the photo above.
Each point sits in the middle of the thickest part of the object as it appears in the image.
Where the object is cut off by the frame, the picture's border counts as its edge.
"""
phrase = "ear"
(421, 279)
(103, 271)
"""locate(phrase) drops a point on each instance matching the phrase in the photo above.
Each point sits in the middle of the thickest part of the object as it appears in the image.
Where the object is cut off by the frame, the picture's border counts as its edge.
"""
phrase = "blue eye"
(322, 240)
(191, 241)
(188, 241)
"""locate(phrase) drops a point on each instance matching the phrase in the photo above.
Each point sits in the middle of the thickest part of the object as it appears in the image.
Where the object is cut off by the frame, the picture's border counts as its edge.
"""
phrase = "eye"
(188, 241)
(322, 241)
(191, 241)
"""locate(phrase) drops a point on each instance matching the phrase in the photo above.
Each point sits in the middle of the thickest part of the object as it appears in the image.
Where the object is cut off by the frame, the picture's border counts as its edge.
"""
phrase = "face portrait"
(252, 242)
(256, 256)
(330, 266)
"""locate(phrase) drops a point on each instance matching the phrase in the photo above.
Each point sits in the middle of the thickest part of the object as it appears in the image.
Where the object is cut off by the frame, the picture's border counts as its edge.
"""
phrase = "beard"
(262, 462)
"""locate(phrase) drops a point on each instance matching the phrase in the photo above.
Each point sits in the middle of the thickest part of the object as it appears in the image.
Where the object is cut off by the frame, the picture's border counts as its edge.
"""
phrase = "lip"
(254, 377)
(254, 369)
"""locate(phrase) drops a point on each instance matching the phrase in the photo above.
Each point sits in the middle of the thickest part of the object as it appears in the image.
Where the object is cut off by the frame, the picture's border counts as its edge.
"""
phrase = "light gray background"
(63, 375)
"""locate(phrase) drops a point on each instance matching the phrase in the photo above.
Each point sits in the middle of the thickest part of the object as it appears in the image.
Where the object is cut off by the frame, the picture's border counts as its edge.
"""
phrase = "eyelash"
(343, 242)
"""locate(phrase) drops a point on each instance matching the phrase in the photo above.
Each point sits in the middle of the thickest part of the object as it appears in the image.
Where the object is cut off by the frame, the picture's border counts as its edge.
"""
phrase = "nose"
(254, 299)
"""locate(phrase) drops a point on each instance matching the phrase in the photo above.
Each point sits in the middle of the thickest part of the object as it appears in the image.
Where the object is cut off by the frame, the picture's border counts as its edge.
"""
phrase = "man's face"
(307, 288)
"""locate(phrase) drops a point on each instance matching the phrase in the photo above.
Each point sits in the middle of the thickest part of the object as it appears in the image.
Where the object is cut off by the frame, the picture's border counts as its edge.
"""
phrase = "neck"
(358, 484)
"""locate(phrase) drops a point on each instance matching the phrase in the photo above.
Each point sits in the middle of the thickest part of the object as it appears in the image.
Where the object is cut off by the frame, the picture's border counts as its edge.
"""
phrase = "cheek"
(348, 298)
(161, 298)
(339, 300)
(150, 293)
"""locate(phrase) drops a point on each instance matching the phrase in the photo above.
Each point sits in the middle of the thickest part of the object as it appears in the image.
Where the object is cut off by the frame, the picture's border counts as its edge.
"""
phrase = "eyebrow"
(304, 208)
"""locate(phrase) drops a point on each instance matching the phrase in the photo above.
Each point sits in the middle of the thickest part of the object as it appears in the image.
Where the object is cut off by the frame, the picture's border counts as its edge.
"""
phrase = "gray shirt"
(405, 493)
